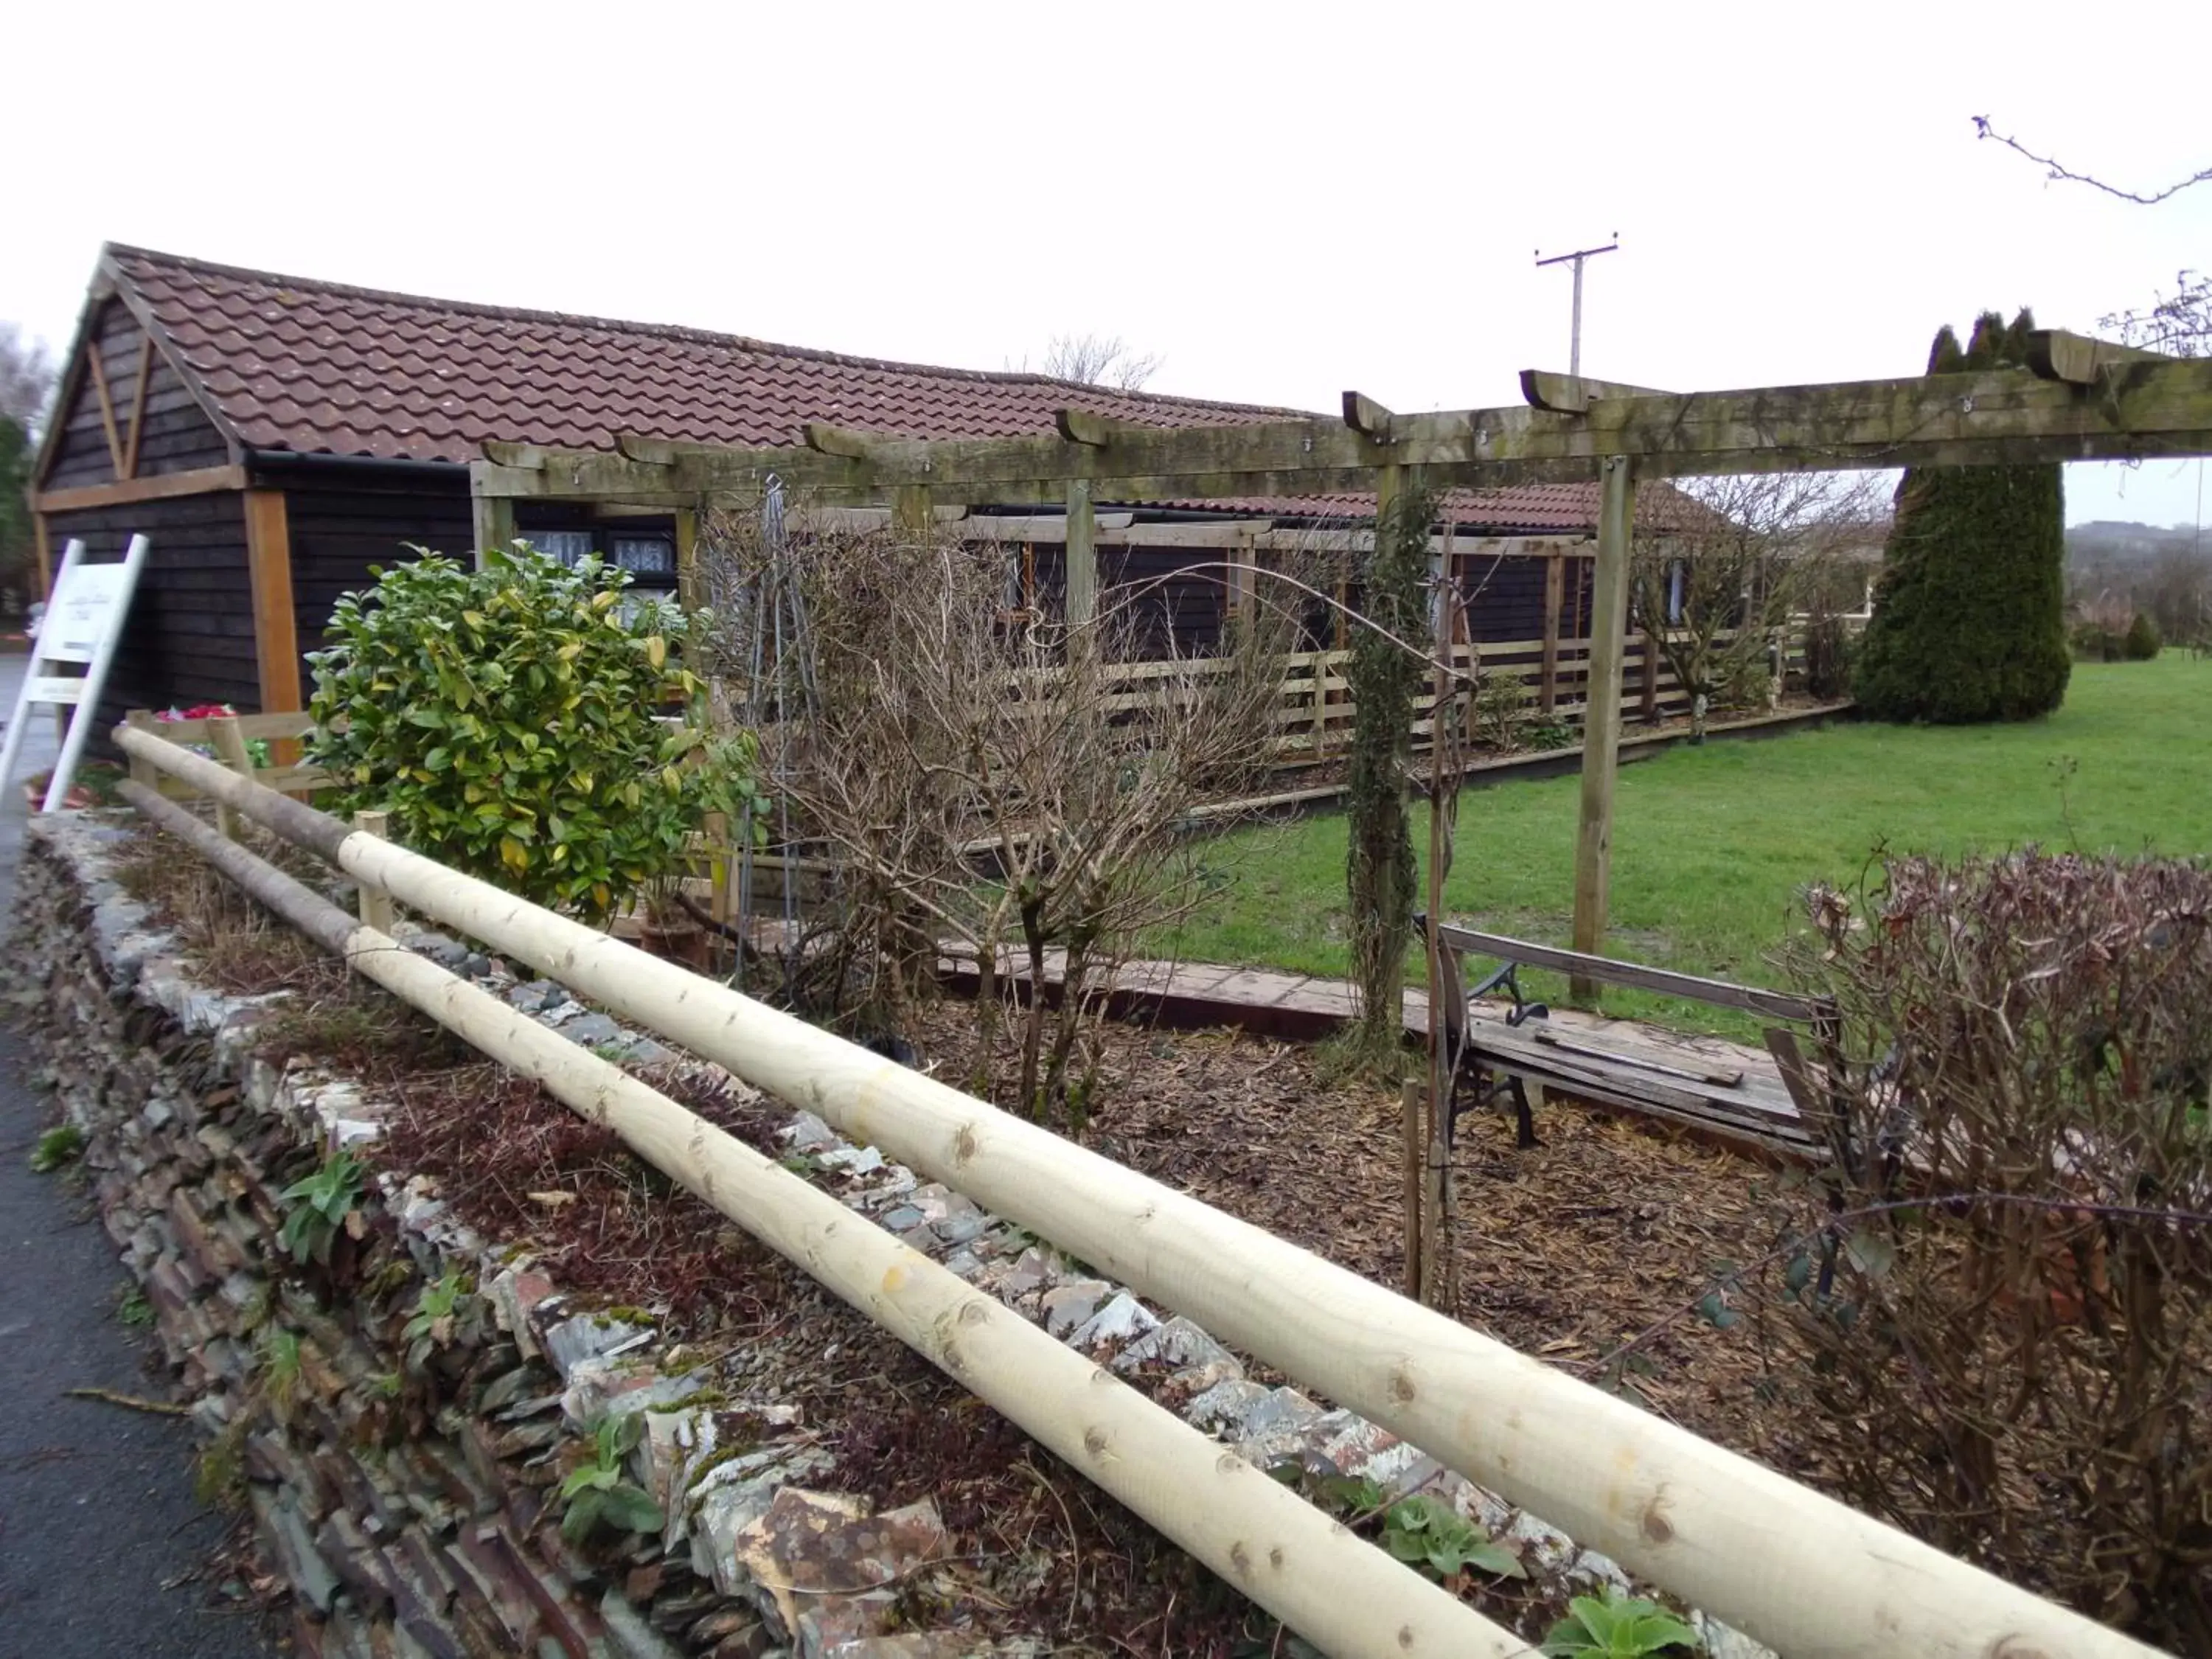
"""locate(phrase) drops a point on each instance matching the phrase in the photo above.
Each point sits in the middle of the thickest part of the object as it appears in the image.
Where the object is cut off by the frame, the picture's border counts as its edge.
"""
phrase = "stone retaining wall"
(403, 1466)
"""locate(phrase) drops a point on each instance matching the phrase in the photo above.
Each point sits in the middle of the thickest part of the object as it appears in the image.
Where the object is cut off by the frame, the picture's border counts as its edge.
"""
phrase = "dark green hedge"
(1970, 615)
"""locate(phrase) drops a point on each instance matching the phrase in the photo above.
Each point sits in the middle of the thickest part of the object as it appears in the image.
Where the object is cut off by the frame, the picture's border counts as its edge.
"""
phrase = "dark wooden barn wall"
(339, 531)
(178, 435)
(190, 636)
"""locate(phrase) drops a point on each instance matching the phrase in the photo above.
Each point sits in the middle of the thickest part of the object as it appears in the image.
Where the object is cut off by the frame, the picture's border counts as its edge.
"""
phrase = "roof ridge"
(678, 332)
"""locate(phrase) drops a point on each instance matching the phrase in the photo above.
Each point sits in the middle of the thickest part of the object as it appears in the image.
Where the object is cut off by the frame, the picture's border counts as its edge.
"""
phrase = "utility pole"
(1575, 344)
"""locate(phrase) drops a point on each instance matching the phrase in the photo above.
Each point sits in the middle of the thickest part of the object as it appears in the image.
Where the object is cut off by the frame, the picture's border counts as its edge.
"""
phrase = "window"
(647, 555)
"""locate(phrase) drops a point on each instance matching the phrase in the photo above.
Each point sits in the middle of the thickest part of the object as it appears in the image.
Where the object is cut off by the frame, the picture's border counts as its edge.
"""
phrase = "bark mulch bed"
(1568, 1251)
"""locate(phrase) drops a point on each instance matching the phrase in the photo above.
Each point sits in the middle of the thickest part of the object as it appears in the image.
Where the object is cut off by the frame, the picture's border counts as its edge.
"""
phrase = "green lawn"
(1711, 845)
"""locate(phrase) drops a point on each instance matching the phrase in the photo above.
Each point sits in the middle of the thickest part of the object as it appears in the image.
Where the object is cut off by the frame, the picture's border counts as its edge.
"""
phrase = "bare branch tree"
(2180, 322)
(1715, 589)
(1099, 360)
(26, 380)
(2059, 172)
(982, 780)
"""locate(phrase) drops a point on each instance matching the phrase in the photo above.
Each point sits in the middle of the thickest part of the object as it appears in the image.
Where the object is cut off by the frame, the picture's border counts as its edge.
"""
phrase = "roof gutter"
(361, 467)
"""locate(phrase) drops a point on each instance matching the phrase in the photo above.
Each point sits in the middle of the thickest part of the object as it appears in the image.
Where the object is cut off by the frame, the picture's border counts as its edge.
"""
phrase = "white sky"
(1281, 199)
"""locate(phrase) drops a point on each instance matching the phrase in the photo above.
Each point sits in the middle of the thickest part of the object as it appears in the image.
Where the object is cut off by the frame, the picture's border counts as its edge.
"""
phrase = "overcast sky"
(1282, 200)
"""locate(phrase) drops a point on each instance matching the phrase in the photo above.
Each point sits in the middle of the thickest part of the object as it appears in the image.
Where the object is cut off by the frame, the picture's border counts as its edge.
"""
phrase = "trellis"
(2079, 399)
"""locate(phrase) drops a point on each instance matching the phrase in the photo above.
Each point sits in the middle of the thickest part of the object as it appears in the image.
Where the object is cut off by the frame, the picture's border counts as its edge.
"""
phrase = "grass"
(1713, 845)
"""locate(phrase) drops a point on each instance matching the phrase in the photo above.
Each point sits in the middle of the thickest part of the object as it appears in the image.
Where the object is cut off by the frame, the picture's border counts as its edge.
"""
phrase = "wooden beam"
(1080, 426)
(2154, 409)
(1570, 396)
(1720, 992)
(130, 492)
(1364, 415)
(275, 630)
(528, 457)
(129, 469)
(107, 405)
(1602, 712)
(829, 440)
(1082, 555)
(2078, 359)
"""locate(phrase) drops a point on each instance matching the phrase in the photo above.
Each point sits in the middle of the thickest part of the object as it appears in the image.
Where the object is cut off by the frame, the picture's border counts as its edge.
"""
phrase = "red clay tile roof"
(289, 363)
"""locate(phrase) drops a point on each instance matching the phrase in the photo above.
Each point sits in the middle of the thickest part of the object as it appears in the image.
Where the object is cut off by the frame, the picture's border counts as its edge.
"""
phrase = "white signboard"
(83, 624)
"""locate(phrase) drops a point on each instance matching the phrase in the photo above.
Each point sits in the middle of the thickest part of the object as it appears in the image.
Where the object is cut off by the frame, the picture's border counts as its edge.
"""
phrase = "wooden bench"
(1495, 1050)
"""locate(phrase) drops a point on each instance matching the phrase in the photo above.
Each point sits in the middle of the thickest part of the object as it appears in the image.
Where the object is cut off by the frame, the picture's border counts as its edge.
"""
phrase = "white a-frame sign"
(83, 624)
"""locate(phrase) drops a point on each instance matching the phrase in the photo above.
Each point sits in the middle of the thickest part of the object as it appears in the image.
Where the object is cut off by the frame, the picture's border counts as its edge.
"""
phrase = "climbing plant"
(1386, 679)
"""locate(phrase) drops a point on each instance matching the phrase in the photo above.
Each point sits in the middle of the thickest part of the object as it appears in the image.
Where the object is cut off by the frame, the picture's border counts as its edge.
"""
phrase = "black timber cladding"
(190, 636)
(341, 528)
(178, 435)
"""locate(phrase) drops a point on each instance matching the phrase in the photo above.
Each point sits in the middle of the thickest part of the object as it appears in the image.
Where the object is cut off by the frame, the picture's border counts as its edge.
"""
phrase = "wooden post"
(1602, 712)
(1650, 684)
(1409, 1110)
(1548, 683)
(495, 524)
(276, 628)
(690, 587)
(375, 902)
(229, 745)
(911, 508)
(1082, 560)
(46, 550)
(142, 769)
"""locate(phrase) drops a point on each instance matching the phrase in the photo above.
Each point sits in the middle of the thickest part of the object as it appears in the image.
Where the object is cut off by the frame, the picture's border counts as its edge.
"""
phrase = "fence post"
(1410, 1100)
(1548, 685)
(142, 770)
(375, 902)
(1650, 684)
(229, 746)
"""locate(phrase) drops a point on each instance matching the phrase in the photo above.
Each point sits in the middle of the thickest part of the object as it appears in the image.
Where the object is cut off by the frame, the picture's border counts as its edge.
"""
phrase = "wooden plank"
(275, 630)
(2078, 359)
(43, 543)
(130, 492)
(92, 358)
(1547, 681)
(1648, 680)
(129, 468)
(1601, 716)
(1732, 1078)
(1664, 982)
(1572, 395)
(829, 440)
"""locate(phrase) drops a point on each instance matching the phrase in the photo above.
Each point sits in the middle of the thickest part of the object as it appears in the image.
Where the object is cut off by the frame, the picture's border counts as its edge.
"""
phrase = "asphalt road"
(103, 1548)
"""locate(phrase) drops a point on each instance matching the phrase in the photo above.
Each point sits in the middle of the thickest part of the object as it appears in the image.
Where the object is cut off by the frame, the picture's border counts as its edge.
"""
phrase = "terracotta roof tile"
(321, 369)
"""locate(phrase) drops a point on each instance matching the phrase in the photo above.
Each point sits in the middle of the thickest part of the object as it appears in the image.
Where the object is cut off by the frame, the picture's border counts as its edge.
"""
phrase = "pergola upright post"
(494, 523)
(1602, 712)
(1082, 555)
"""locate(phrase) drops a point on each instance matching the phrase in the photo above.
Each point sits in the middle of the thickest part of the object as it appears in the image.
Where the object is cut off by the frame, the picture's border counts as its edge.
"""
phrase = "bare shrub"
(989, 780)
(1715, 589)
(2002, 1309)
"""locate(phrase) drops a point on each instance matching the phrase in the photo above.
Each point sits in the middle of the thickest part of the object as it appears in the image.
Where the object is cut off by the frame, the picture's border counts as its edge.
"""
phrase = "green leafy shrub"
(1616, 1626)
(595, 1495)
(505, 717)
(1429, 1534)
(2093, 642)
(55, 1147)
(2143, 642)
(319, 1206)
(1969, 621)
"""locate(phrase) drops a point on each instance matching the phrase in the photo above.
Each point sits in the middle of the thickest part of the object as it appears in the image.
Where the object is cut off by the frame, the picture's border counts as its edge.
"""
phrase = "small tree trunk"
(1698, 703)
(1033, 1106)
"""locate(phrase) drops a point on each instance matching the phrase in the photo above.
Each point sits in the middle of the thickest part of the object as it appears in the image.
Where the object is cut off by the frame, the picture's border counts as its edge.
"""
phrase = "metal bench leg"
(1524, 1120)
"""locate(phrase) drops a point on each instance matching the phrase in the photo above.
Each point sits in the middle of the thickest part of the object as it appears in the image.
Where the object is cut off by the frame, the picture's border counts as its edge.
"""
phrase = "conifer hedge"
(1969, 622)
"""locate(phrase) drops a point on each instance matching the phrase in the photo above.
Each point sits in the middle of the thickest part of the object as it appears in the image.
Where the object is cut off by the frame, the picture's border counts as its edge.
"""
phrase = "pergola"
(2080, 399)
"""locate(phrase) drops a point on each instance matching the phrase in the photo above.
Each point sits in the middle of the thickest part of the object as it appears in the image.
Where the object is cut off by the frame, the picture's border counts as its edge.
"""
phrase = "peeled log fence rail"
(1331, 1586)
(1800, 1572)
